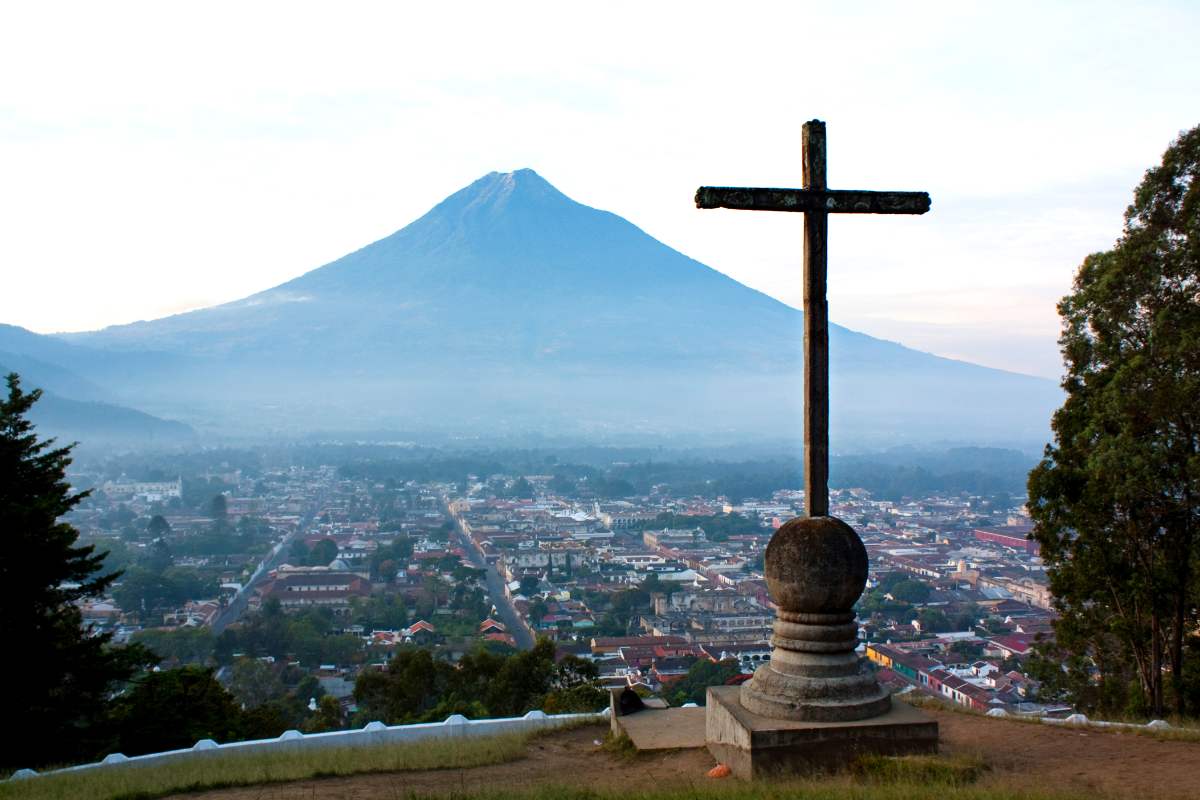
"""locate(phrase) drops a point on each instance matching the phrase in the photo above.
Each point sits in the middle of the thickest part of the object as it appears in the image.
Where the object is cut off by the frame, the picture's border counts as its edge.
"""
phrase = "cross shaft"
(816, 201)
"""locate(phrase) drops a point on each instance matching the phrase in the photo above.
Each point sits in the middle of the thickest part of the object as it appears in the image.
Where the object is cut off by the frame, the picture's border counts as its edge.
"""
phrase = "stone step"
(664, 729)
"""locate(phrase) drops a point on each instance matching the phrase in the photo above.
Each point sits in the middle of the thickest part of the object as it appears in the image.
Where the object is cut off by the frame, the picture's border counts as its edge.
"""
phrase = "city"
(644, 586)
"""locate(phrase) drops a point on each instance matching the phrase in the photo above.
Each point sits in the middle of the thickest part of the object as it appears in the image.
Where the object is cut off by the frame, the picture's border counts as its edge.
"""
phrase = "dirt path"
(1025, 756)
(1021, 756)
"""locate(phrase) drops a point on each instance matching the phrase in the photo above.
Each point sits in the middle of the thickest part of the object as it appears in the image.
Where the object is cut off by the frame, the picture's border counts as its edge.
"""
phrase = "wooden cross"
(816, 202)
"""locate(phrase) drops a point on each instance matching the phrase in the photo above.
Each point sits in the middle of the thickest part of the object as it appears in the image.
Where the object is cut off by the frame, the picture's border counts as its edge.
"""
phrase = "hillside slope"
(88, 420)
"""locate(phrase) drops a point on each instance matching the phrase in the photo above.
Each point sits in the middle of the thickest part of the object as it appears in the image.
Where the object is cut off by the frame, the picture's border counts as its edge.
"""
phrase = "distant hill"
(94, 423)
(37, 373)
(509, 307)
(84, 416)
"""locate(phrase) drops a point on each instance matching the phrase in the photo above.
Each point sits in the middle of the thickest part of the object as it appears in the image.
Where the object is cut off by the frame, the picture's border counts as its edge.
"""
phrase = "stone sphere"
(816, 565)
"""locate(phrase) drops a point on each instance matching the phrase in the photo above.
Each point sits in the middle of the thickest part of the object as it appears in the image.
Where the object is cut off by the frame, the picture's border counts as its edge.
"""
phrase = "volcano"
(508, 307)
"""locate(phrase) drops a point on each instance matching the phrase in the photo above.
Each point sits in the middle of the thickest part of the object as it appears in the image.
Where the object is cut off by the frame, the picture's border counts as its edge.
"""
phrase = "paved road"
(277, 556)
(237, 606)
(495, 584)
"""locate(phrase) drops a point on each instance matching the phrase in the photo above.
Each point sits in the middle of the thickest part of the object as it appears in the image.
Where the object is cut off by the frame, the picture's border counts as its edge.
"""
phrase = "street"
(277, 556)
(495, 583)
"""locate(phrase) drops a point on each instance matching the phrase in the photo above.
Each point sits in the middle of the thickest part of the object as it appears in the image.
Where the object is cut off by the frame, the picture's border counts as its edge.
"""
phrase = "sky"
(159, 157)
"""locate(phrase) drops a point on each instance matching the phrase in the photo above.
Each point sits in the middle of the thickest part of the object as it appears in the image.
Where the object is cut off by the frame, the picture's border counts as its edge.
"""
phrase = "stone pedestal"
(754, 746)
(815, 704)
(814, 673)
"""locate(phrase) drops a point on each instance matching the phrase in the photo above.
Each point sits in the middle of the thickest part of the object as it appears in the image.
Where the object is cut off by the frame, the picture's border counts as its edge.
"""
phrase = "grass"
(619, 746)
(225, 770)
(733, 789)
(870, 778)
(925, 770)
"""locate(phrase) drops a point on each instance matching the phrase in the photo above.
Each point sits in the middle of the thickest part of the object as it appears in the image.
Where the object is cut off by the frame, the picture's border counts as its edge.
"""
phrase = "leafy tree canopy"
(693, 687)
(417, 687)
(174, 709)
(1116, 499)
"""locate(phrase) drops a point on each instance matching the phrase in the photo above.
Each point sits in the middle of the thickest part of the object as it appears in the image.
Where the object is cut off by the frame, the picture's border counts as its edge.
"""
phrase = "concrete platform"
(757, 747)
(664, 729)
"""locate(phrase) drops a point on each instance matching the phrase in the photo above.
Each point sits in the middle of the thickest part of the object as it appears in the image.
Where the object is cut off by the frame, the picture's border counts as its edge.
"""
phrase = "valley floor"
(1023, 760)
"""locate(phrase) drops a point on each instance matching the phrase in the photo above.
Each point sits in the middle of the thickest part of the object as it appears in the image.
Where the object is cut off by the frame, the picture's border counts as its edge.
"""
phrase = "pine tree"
(58, 676)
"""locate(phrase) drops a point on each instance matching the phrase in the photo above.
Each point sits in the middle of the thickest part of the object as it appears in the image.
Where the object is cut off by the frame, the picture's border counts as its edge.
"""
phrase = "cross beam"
(833, 201)
(816, 201)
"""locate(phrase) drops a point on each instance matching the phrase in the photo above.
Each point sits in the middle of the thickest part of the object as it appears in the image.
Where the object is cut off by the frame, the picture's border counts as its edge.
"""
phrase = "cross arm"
(828, 200)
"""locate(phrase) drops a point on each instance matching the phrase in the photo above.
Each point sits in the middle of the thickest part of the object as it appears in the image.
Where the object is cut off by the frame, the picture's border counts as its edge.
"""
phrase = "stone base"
(754, 746)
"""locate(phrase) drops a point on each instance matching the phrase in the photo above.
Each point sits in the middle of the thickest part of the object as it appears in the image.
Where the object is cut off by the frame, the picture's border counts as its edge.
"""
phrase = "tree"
(379, 612)
(522, 681)
(655, 585)
(218, 510)
(1116, 498)
(693, 687)
(158, 527)
(254, 683)
(251, 530)
(910, 591)
(875, 602)
(967, 617)
(538, 609)
(144, 591)
(173, 709)
(411, 685)
(417, 687)
(59, 685)
(933, 620)
(572, 671)
(158, 556)
(184, 645)
(322, 553)
(298, 552)
(561, 485)
(529, 585)
(328, 716)
(387, 559)
(614, 487)
(118, 556)
(309, 689)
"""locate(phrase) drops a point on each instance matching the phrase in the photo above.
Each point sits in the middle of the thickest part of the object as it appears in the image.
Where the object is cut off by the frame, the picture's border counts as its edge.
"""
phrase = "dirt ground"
(1020, 756)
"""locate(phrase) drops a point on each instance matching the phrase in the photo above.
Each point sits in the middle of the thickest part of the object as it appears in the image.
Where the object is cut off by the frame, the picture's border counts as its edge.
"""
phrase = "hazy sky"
(164, 156)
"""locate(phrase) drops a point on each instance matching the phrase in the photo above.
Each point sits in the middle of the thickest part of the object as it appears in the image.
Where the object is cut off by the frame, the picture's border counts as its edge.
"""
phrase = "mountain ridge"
(73, 407)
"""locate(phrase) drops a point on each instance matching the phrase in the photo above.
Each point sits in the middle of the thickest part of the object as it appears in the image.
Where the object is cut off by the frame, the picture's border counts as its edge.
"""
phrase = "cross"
(816, 202)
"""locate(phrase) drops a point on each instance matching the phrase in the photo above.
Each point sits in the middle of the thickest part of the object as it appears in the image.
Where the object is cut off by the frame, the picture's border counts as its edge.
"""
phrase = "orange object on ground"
(720, 771)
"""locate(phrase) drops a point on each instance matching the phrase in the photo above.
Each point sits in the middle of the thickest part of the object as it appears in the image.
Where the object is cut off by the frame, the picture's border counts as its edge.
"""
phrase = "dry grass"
(224, 770)
(619, 746)
(838, 788)
(923, 770)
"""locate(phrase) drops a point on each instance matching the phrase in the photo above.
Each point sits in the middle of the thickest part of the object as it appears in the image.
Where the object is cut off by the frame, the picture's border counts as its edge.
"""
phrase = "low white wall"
(1081, 720)
(373, 733)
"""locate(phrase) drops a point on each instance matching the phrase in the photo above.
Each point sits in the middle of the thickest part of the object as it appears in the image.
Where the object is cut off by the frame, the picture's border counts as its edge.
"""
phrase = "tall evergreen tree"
(57, 675)
(1116, 500)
